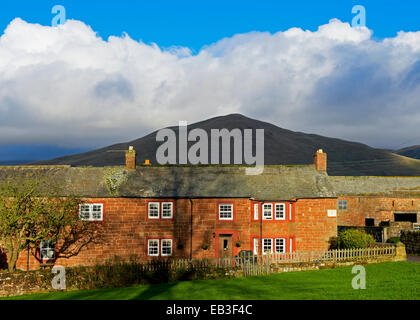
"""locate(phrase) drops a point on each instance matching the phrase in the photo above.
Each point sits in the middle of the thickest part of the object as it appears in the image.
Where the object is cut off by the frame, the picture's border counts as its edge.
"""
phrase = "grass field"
(394, 280)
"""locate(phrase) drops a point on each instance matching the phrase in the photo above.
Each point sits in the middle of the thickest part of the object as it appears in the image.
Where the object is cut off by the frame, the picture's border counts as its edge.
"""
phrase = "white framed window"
(290, 211)
(342, 204)
(47, 250)
(256, 245)
(153, 210)
(267, 245)
(268, 211)
(96, 212)
(167, 210)
(291, 244)
(280, 245)
(166, 247)
(280, 211)
(84, 212)
(91, 211)
(153, 247)
(255, 211)
(225, 211)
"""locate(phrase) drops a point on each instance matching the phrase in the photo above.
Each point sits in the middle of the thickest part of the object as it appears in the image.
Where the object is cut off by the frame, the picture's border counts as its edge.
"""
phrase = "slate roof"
(376, 186)
(277, 182)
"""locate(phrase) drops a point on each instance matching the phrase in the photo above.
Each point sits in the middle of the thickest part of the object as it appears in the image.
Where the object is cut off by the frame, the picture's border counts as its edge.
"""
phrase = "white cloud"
(67, 86)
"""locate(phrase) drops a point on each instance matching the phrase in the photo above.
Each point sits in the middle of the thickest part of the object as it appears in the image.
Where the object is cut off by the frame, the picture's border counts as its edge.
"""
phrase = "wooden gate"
(255, 265)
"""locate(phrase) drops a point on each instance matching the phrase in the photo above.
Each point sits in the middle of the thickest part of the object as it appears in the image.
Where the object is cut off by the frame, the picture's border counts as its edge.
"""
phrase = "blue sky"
(232, 56)
(197, 23)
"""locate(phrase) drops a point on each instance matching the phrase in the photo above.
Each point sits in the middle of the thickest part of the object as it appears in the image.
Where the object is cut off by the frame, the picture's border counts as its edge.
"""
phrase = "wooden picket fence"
(262, 264)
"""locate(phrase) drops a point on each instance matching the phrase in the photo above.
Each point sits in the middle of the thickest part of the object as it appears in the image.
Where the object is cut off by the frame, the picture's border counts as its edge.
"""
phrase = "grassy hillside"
(411, 152)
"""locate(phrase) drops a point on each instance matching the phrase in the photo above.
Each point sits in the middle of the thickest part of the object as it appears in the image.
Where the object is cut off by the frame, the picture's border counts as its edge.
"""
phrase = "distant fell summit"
(281, 146)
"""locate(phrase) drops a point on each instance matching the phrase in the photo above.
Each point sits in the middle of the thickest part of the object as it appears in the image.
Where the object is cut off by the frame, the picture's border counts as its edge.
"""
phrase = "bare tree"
(32, 210)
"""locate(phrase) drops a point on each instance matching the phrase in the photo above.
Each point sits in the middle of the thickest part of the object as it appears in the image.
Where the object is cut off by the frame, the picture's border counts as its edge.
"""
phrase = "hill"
(282, 146)
(411, 152)
(15, 162)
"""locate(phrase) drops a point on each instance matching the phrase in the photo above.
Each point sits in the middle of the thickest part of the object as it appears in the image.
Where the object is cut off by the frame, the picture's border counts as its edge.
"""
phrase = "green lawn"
(394, 280)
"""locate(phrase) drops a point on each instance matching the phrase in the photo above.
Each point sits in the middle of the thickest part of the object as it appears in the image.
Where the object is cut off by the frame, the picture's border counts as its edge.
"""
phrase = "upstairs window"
(160, 209)
(167, 210)
(91, 211)
(225, 211)
(153, 210)
(280, 211)
(255, 211)
(342, 204)
(268, 211)
(47, 250)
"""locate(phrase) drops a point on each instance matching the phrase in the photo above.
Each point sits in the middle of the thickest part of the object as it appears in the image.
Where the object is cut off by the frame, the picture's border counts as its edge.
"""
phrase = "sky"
(117, 70)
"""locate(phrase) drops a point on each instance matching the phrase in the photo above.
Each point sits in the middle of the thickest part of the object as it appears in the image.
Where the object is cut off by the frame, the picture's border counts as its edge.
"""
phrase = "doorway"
(369, 222)
(402, 217)
(225, 245)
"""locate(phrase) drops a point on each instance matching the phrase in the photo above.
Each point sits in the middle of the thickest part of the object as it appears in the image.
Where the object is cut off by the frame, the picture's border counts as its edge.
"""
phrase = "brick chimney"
(130, 158)
(320, 161)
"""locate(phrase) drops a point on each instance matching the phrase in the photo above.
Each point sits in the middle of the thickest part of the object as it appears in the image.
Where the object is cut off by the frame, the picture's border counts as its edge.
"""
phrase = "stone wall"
(381, 209)
(314, 227)
(395, 228)
(18, 283)
(411, 239)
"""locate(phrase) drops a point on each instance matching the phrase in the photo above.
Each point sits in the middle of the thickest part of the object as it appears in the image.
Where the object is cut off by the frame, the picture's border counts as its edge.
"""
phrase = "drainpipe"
(191, 228)
(260, 213)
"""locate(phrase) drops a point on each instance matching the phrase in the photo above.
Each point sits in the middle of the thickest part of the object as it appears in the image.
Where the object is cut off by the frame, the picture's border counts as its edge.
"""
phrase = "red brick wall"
(313, 226)
(378, 208)
(127, 229)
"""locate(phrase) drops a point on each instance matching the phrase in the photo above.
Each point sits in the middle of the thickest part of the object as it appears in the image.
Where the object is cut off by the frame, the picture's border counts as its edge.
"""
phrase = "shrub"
(353, 238)
(333, 243)
(393, 240)
(117, 272)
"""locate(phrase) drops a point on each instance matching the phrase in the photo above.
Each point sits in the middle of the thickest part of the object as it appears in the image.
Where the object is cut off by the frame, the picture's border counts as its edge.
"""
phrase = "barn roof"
(376, 186)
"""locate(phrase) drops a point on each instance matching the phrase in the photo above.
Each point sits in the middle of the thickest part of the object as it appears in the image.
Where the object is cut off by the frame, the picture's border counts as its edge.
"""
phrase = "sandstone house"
(192, 212)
